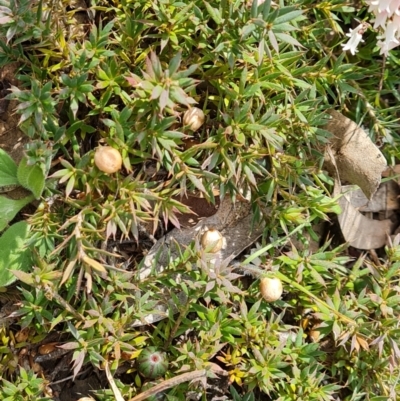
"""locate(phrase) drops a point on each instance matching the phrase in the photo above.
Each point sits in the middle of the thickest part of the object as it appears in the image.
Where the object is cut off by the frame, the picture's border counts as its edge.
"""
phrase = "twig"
(73, 377)
(51, 294)
(184, 377)
(52, 355)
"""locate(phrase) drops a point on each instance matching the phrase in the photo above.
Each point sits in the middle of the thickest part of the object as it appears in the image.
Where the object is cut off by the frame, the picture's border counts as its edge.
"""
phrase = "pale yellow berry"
(271, 289)
(193, 118)
(107, 159)
(212, 241)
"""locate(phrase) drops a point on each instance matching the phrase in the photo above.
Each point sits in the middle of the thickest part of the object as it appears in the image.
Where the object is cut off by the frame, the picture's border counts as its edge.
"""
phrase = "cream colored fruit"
(107, 159)
(193, 118)
(271, 288)
(212, 241)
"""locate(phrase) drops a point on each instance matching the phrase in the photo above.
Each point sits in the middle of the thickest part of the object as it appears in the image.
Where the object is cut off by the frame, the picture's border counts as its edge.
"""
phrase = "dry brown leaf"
(233, 220)
(360, 231)
(200, 208)
(364, 344)
(116, 391)
(385, 199)
(358, 160)
(392, 171)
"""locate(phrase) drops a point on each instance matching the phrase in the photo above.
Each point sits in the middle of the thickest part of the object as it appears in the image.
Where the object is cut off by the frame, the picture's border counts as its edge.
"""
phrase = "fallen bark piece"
(358, 160)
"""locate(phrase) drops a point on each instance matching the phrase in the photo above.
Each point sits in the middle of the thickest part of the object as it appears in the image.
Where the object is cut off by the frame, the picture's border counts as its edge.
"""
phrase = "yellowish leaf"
(364, 344)
(94, 264)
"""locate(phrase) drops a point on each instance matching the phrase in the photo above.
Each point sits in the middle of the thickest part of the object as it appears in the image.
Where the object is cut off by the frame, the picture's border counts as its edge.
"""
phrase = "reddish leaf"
(78, 362)
(73, 345)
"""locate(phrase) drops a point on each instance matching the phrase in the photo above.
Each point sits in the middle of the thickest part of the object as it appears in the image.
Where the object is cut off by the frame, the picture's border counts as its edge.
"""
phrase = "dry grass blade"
(114, 388)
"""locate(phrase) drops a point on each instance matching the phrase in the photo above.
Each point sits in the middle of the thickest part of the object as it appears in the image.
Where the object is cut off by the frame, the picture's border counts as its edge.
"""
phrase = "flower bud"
(212, 241)
(152, 363)
(107, 159)
(193, 118)
(271, 288)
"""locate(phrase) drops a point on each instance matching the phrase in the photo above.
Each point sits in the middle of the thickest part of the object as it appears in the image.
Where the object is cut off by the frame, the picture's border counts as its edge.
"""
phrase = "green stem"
(314, 297)
(278, 242)
(281, 241)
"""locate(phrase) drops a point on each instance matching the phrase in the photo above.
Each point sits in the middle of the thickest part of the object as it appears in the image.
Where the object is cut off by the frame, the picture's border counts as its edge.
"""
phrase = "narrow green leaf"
(250, 175)
(284, 37)
(156, 65)
(185, 73)
(155, 94)
(20, 275)
(174, 134)
(288, 17)
(247, 30)
(266, 9)
(74, 127)
(164, 97)
(86, 88)
(273, 40)
(13, 253)
(174, 64)
(178, 95)
(254, 8)
(31, 177)
(348, 88)
(285, 27)
(254, 127)
(214, 13)
(197, 183)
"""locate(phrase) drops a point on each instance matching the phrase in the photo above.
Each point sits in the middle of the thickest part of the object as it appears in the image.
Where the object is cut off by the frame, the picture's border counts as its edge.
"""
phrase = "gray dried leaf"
(360, 231)
(233, 220)
(357, 159)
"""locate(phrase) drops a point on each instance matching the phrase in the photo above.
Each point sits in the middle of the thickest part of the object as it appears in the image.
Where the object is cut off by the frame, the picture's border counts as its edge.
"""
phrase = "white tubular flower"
(380, 20)
(389, 40)
(384, 47)
(394, 7)
(392, 29)
(384, 5)
(379, 6)
(387, 21)
(373, 6)
(355, 36)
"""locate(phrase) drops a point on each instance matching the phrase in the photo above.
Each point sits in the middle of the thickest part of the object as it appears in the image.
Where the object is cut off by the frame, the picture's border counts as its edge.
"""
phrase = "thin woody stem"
(256, 272)
(165, 385)
(51, 294)
(177, 324)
